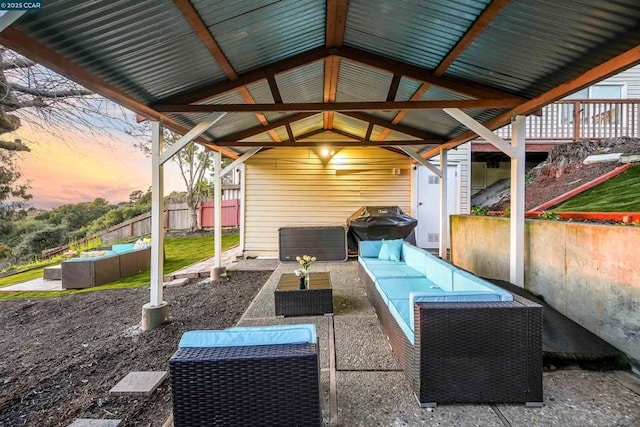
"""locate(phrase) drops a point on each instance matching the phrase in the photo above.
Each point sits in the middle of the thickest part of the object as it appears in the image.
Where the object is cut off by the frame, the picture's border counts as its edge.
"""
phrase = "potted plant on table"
(305, 262)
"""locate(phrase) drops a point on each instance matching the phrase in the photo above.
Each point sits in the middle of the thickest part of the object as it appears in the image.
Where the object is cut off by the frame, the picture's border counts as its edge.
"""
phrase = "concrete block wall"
(588, 272)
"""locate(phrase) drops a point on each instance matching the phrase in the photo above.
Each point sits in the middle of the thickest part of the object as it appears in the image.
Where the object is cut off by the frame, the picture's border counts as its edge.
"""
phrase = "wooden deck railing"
(573, 120)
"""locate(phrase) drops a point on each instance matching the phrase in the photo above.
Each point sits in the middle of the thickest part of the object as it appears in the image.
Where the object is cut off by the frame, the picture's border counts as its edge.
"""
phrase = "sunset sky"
(72, 169)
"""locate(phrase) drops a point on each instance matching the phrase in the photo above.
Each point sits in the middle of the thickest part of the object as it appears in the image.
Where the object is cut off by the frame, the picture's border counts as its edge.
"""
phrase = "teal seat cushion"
(370, 248)
(391, 250)
(400, 269)
(399, 309)
(467, 282)
(250, 336)
(122, 247)
(400, 287)
(439, 271)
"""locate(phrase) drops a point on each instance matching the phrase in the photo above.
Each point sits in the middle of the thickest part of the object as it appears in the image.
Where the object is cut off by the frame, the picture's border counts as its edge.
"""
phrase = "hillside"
(563, 170)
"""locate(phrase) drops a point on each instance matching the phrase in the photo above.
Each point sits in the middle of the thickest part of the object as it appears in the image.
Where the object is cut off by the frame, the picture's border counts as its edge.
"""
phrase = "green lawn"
(180, 252)
(619, 194)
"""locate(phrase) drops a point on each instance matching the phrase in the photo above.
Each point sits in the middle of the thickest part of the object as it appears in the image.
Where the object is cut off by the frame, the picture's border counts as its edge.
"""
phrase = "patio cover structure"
(416, 77)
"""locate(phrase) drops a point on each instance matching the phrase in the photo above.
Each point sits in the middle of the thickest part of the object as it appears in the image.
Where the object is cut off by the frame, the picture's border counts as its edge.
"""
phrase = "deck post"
(516, 241)
(156, 312)
(444, 214)
(218, 270)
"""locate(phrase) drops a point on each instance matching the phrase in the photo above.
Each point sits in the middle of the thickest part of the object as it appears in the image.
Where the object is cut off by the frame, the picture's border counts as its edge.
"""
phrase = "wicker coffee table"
(292, 301)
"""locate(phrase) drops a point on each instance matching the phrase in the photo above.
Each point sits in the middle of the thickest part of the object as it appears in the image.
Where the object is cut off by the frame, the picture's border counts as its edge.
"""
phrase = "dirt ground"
(59, 357)
(564, 169)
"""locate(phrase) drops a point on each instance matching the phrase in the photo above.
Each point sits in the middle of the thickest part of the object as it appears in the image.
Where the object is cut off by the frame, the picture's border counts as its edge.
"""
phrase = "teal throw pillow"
(390, 250)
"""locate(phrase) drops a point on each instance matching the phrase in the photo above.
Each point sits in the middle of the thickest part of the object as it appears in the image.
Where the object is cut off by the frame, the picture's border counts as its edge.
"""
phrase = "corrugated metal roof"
(307, 125)
(253, 34)
(357, 82)
(139, 47)
(148, 51)
(303, 84)
(412, 31)
(531, 47)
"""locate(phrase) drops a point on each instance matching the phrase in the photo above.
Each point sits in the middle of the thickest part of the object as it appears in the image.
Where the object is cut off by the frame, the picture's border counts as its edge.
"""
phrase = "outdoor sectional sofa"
(459, 338)
(118, 261)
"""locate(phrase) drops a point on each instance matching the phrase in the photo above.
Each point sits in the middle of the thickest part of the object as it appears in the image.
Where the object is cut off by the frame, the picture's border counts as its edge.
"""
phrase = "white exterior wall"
(462, 156)
(631, 78)
(290, 187)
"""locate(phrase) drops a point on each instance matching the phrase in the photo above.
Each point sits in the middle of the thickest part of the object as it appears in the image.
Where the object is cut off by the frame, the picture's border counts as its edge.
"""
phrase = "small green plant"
(480, 210)
(507, 212)
(529, 177)
(550, 215)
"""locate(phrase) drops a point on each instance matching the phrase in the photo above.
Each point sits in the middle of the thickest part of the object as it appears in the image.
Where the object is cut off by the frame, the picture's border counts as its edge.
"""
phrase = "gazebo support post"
(156, 311)
(516, 241)
(218, 270)
(444, 214)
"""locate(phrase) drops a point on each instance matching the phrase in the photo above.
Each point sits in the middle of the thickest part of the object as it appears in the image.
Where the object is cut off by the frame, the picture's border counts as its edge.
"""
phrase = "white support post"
(516, 242)
(243, 168)
(217, 271)
(444, 214)
(240, 160)
(156, 312)
(481, 130)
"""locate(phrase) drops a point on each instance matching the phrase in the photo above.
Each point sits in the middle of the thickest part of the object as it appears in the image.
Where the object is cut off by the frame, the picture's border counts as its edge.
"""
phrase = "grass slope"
(618, 194)
(180, 252)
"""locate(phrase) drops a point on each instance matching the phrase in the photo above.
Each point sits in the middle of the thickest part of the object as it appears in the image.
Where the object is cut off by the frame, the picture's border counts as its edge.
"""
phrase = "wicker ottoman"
(256, 383)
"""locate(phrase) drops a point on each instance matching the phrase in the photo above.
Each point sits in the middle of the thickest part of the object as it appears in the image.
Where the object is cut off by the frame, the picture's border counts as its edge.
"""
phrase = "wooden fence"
(176, 217)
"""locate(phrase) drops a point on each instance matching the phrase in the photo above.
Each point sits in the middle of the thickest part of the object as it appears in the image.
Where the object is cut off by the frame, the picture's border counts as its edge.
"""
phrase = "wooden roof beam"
(247, 133)
(341, 106)
(332, 143)
(484, 19)
(207, 39)
(334, 36)
(407, 130)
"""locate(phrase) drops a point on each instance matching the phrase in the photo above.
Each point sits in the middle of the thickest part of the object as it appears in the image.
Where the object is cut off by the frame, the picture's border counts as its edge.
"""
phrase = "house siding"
(631, 78)
(290, 187)
(462, 156)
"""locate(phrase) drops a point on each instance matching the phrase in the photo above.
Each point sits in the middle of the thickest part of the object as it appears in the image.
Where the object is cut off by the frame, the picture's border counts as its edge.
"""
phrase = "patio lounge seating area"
(99, 267)
(362, 382)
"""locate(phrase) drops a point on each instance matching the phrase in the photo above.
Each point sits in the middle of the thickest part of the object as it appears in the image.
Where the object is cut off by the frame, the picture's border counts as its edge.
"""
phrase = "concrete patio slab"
(370, 389)
(253, 265)
(362, 345)
(35, 285)
(139, 383)
(385, 399)
(579, 398)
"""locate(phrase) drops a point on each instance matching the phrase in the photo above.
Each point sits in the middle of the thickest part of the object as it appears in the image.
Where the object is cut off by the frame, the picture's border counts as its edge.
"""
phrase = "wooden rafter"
(334, 36)
(609, 68)
(484, 19)
(376, 61)
(207, 39)
(333, 143)
(16, 40)
(407, 130)
(341, 106)
(248, 133)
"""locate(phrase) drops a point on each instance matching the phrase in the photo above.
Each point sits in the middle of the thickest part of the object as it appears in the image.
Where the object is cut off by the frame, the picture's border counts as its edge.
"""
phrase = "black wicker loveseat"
(456, 342)
(247, 376)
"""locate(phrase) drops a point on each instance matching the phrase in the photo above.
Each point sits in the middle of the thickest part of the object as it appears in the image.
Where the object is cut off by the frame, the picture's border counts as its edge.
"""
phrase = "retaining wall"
(588, 272)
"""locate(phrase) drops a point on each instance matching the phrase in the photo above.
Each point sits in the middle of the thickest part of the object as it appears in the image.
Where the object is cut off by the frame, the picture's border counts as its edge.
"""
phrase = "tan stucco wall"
(588, 272)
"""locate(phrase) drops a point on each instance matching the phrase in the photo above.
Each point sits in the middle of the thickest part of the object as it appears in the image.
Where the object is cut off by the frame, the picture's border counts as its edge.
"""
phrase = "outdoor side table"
(290, 300)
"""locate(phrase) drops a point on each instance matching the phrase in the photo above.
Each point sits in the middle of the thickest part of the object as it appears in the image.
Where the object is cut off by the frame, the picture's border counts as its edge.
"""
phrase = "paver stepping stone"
(87, 422)
(139, 383)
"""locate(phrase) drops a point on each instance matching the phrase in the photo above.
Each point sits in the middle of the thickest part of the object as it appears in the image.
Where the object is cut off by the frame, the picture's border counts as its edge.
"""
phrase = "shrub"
(480, 210)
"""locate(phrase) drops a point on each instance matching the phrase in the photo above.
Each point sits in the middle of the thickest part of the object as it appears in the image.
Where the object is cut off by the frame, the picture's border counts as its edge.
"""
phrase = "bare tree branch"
(43, 93)
(15, 145)
(20, 62)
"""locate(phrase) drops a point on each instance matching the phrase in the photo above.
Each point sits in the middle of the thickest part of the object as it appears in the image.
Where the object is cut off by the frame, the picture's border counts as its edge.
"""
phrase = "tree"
(47, 101)
(193, 160)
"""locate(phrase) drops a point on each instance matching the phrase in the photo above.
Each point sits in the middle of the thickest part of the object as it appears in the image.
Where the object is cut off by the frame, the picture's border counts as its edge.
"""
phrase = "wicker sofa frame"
(476, 352)
(81, 273)
(265, 385)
